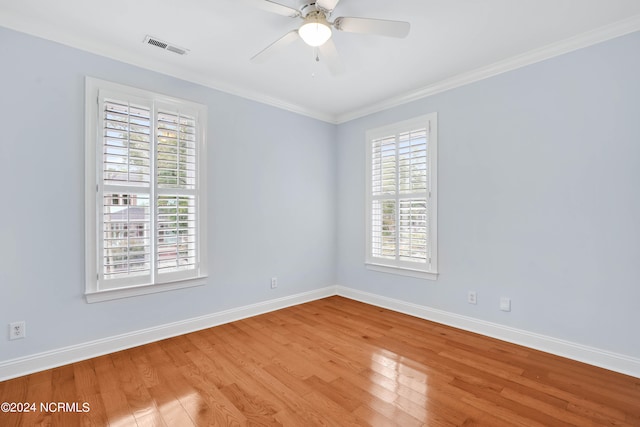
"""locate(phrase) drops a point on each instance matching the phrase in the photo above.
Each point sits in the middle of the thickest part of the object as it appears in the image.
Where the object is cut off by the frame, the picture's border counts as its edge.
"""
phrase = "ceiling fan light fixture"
(315, 31)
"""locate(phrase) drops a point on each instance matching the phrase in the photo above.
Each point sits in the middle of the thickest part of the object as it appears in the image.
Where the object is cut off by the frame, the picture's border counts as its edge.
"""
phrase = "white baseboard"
(63, 356)
(50, 359)
(605, 359)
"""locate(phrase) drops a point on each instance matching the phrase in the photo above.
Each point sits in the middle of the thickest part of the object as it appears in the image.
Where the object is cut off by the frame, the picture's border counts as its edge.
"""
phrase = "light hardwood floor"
(331, 362)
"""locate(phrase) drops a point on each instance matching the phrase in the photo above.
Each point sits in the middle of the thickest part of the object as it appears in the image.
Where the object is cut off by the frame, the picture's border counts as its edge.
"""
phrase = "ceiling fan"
(316, 31)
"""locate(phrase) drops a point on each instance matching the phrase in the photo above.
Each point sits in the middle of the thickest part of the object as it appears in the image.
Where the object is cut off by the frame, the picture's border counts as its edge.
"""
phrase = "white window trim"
(92, 175)
(430, 272)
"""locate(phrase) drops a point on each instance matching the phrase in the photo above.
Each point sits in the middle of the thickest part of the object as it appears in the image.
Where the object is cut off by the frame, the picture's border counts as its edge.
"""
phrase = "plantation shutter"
(384, 187)
(145, 189)
(177, 190)
(126, 192)
(399, 183)
(148, 193)
(412, 211)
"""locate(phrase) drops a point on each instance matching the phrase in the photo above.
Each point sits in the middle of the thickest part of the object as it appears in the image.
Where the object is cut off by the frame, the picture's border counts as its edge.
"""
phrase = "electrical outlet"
(274, 282)
(472, 297)
(17, 330)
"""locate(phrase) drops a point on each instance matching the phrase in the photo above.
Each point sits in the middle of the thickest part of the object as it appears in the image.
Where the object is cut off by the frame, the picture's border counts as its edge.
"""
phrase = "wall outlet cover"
(505, 304)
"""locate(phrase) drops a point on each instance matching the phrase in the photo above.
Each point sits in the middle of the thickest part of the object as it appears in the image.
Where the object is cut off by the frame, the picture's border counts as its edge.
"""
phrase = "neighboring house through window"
(401, 198)
(145, 208)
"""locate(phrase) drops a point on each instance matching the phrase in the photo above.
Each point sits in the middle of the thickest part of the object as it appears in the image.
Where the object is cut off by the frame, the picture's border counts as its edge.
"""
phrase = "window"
(145, 196)
(401, 198)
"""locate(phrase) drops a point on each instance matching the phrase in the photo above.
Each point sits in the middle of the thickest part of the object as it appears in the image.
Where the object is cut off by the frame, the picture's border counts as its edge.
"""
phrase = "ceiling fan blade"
(330, 55)
(327, 5)
(381, 27)
(273, 7)
(275, 47)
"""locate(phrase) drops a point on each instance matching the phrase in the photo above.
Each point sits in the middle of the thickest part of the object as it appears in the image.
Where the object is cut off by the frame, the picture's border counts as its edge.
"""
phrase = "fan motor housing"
(307, 7)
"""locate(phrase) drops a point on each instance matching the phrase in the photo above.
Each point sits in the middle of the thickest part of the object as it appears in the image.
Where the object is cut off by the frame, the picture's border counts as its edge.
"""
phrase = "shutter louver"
(176, 151)
(127, 243)
(384, 229)
(413, 230)
(412, 154)
(176, 241)
(384, 166)
(126, 146)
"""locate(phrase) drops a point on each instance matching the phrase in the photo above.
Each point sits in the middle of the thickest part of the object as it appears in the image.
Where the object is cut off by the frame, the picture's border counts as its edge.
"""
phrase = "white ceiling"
(450, 41)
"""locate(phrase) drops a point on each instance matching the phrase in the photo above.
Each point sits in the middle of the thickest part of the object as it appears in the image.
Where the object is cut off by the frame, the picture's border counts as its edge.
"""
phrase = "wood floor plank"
(88, 392)
(374, 406)
(331, 362)
(65, 391)
(38, 391)
(113, 398)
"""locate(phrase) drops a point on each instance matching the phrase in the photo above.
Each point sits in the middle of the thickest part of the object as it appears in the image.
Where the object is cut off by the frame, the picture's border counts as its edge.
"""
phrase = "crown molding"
(59, 35)
(589, 38)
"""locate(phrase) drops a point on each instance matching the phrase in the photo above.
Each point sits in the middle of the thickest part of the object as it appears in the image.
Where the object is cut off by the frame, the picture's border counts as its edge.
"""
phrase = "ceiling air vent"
(154, 41)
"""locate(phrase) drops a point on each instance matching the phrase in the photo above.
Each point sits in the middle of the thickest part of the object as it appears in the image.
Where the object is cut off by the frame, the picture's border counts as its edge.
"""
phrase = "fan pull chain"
(316, 57)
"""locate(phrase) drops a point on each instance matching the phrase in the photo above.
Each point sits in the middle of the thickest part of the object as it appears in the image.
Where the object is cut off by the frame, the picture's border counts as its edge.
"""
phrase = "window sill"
(401, 271)
(111, 294)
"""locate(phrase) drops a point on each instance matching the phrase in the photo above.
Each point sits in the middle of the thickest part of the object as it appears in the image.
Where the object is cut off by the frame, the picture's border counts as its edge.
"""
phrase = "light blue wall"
(271, 184)
(538, 184)
(539, 198)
